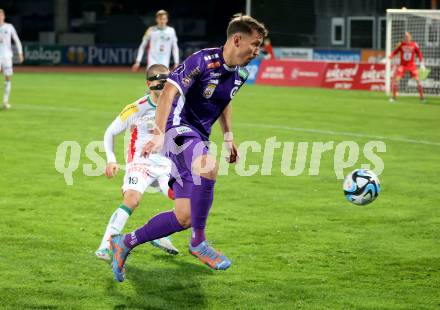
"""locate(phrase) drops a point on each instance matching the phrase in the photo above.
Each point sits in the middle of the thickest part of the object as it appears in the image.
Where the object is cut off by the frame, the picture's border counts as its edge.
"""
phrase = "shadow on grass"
(164, 287)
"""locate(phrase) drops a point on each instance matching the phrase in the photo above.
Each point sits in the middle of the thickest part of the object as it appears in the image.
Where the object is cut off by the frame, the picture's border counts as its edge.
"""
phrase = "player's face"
(155, 83)
(407, 37)
(162, 21)
(2, 17)
(247, 47)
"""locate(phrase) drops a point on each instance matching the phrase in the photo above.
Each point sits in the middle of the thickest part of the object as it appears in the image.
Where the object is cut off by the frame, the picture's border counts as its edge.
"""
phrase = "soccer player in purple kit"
(197, 93)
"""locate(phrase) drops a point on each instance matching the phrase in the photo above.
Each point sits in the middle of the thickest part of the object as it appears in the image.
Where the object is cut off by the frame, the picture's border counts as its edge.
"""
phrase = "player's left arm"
(175, 48)
(225, 121)
(141, 49)
(420, 56)
(17, 44)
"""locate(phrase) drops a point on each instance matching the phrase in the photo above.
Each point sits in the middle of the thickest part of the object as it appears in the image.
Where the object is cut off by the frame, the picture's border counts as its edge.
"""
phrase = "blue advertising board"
(253, 67)
(337, 55)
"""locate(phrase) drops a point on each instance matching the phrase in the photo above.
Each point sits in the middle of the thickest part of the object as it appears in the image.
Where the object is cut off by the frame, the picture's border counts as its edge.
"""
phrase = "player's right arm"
(179, 81)
(142, 48)
(119, 125)
(395, 51)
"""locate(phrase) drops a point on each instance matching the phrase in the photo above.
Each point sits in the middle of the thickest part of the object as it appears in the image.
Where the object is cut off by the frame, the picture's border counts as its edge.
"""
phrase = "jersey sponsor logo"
(128, 110)
(234, 91)
(209, 90)
(183, 129)
(186, 81)
(213, 65)
(213, 82)
(209, 57)
(165, 38)
(238, 82)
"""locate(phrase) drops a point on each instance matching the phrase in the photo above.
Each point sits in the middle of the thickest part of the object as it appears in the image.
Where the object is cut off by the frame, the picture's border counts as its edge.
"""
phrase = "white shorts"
(140, 176)
(6, 66)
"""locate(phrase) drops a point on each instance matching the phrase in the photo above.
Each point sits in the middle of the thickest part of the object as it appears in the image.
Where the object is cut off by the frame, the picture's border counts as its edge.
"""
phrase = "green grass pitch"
(295, 242)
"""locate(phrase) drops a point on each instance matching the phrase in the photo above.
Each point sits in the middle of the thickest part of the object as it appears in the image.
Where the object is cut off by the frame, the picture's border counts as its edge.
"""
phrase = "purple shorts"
(182, 146)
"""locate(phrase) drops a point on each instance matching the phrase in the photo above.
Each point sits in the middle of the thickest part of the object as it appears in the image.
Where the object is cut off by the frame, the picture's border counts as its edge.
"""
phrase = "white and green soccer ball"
(361, 186)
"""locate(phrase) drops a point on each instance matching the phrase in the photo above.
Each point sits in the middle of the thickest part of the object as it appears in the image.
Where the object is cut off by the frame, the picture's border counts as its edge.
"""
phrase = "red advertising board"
(322, 74)
(291, 73)
(355, 76)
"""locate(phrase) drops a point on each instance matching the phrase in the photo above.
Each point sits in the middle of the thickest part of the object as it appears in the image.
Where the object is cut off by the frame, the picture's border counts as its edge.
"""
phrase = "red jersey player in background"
(408, 50)
(267, 49)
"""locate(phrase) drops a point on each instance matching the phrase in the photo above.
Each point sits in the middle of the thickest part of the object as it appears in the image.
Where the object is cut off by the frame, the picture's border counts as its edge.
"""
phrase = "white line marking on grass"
(340, 133)
(326, 132)
(38, 107)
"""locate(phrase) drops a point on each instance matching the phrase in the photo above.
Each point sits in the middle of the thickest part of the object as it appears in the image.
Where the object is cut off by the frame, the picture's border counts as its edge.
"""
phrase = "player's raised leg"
(161, 225)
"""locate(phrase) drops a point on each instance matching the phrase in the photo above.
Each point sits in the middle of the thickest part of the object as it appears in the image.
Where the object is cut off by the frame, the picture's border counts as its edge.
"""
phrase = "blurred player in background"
(141, 172)
(267, 49)
(7, 32)
(198, 93)
(408, 50)
(162, 41)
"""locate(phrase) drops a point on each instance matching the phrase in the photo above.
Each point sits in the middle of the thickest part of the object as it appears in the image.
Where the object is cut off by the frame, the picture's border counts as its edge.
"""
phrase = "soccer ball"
(361, 186)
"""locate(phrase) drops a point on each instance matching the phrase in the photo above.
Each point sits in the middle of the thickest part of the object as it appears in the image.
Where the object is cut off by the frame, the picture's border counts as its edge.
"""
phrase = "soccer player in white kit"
(162, 41)
(141, 172)
(7, 32)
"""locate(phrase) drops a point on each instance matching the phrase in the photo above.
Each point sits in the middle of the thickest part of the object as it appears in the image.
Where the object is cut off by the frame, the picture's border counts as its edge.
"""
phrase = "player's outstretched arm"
(394, 52)
(225, 121)
(141, 50)
(119, 125)
(163, 111)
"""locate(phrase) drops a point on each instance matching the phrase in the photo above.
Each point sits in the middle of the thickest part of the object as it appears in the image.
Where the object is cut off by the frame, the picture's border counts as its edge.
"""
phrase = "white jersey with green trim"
(162, 41)
(8, 33)
(139, 118)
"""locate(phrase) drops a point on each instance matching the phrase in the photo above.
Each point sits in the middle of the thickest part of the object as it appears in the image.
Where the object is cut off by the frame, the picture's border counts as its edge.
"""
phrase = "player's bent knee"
(132, 199)
(206, 166)
(182, 210)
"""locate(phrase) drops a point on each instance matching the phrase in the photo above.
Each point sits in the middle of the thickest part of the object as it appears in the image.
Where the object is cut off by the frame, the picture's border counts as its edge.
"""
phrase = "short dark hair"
(156, 69)
(162, 12)
(245, 24)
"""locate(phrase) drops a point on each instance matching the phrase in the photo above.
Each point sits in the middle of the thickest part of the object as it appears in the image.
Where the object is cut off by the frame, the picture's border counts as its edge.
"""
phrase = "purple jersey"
(206, 85)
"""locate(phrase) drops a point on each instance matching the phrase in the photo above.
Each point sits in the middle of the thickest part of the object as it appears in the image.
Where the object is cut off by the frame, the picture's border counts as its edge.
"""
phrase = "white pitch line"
(340, 133)
(37, 107)
(326, 132)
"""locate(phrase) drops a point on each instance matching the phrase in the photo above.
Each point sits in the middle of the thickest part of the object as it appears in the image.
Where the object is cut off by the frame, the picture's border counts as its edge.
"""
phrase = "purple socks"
(162, 225)
(165, 224)
(201, 201)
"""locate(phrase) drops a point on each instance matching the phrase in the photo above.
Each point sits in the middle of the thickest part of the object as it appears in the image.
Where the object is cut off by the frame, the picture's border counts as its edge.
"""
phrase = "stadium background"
(295, 242)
